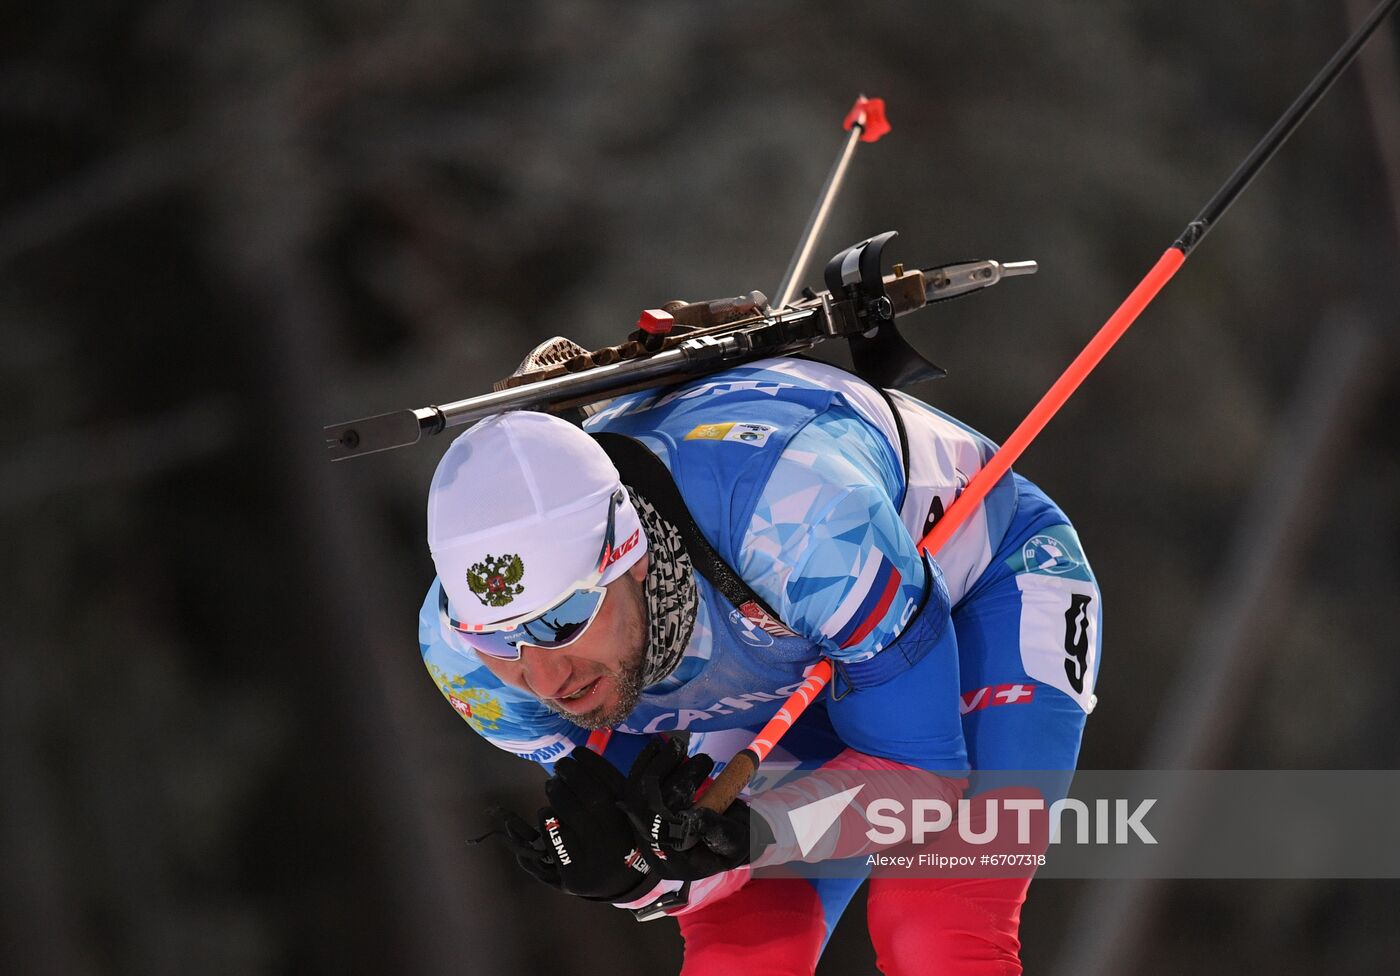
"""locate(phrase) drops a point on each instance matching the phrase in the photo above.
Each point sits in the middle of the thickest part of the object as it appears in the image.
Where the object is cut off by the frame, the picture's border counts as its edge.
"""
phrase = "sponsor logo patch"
(756, 616)
(686, 717)
(482, 711)
(1046, 554)
(656, 838)
(480, 708)
(748, 630)
(548, 753)
(636, 862)
(980, 698)
(754, 435)
(551, 826)
(1052, 552)
(623, 549)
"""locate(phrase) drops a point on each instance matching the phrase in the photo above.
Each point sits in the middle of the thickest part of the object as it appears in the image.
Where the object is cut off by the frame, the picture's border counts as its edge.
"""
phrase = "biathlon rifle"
(682, 340)
(861, 305)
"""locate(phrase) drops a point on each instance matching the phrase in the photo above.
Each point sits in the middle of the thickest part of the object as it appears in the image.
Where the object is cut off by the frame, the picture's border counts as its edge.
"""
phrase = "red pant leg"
(952, 926)
(769, 927)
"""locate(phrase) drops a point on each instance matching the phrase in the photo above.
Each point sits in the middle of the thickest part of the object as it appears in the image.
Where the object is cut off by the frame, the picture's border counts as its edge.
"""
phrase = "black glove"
(683, 841)
(584, 844)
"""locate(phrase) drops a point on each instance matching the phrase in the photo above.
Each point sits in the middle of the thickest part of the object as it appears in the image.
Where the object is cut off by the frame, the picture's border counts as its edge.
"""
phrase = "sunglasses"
(560, 625)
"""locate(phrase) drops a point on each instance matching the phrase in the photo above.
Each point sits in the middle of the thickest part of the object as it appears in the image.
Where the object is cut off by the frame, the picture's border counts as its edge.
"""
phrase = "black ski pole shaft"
(735, 776)
(1196, 231)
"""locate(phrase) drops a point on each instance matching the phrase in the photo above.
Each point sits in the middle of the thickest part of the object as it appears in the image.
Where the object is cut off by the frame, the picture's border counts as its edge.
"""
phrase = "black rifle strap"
(646, 472)
(900, 428)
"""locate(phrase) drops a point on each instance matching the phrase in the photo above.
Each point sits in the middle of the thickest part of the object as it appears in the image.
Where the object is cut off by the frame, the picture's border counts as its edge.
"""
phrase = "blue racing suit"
(816, 487)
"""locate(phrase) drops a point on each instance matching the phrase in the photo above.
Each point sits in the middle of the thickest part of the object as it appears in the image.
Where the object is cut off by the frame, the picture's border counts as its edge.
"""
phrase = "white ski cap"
(517, 514)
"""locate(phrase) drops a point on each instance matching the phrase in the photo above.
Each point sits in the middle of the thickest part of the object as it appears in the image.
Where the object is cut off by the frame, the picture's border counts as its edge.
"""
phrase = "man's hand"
(583, 844)
(683, 841)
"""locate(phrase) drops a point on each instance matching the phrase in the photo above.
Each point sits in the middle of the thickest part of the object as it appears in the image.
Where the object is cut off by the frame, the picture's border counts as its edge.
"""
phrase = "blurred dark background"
(224, 225)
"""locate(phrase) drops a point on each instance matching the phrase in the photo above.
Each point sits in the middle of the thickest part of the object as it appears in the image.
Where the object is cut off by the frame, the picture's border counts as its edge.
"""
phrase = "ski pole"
(739, 770)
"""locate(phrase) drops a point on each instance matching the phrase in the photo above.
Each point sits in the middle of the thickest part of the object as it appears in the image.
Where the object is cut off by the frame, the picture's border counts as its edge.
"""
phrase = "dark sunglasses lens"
(564, 623)
(492, 644)
(558, 626)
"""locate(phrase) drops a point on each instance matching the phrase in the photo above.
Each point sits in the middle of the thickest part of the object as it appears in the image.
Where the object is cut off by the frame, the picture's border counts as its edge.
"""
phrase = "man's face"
(595, 681)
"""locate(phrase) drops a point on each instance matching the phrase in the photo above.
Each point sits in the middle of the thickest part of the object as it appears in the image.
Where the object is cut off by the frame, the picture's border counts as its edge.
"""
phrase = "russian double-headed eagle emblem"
(496, 579)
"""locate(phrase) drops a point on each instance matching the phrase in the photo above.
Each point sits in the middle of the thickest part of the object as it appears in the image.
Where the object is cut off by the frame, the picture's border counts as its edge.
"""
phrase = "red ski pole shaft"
(735, 776)
(1050, 404)
(737, 773)
(740, 769)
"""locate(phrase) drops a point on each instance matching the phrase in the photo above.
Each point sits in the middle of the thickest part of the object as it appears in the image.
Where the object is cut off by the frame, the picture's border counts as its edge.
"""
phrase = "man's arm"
(826, 548)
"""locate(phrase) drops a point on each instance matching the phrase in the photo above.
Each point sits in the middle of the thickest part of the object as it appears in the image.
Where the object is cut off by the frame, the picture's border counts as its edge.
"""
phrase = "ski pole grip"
(730, 782)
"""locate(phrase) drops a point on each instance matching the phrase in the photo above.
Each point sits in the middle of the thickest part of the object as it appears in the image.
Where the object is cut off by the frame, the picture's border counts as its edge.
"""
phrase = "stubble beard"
(627, 679)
